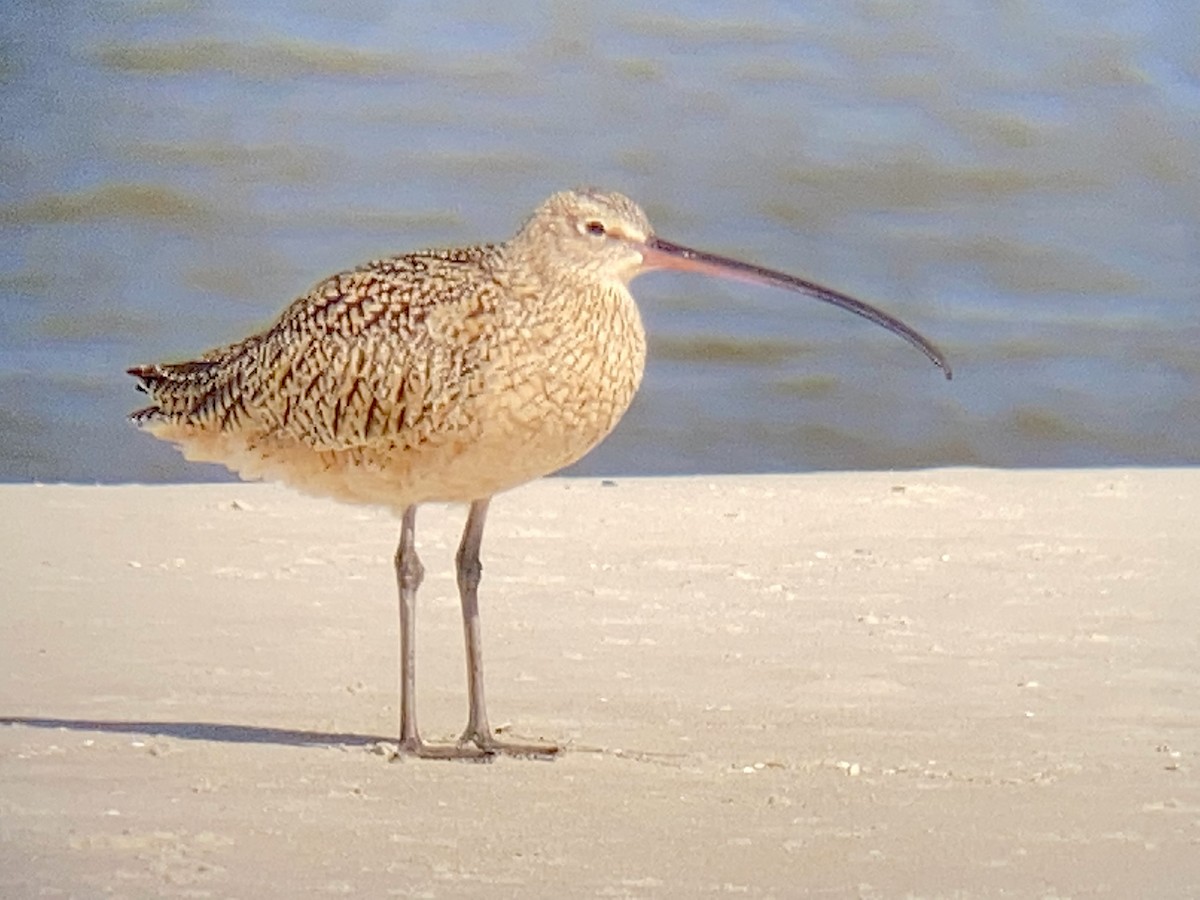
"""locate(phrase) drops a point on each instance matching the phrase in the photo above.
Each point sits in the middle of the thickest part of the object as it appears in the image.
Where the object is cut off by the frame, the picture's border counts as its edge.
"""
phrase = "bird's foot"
(484, 741)
(414, 746)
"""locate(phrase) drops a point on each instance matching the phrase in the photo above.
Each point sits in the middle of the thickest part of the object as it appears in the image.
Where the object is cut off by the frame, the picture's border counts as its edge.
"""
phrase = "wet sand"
(949, 683)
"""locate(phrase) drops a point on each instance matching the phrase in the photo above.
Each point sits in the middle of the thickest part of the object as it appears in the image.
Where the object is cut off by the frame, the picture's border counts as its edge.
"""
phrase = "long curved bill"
(660, 254)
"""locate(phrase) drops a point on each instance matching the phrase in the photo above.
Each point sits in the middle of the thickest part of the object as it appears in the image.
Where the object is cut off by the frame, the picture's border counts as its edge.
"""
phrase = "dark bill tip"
(660, 254)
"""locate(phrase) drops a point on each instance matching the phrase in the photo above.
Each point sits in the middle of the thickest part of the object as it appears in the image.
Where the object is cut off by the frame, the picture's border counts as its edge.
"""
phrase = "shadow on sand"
(204, 731)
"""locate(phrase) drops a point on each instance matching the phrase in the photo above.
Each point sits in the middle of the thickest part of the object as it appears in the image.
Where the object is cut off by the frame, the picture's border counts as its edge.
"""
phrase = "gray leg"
(478, 732)
(409, 573)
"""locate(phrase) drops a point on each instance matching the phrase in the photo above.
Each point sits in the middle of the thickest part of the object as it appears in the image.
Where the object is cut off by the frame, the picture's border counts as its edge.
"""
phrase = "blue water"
(1017, 182)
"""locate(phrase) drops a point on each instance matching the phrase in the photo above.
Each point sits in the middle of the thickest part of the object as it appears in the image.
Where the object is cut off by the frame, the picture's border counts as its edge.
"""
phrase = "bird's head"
(595, 234)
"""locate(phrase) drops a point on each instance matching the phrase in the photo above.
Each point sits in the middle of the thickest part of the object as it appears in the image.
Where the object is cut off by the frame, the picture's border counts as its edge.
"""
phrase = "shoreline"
(939, 682)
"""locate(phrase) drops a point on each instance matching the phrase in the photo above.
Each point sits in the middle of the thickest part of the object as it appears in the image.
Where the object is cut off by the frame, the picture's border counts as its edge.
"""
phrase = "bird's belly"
(528, 429)
(543, 408)
(526, 422)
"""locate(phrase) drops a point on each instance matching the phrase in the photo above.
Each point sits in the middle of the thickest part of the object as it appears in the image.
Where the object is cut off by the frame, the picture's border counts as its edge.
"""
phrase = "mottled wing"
(377, 356)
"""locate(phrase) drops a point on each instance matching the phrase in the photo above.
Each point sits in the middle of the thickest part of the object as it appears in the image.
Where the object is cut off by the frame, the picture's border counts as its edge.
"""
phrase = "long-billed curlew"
(446, 375)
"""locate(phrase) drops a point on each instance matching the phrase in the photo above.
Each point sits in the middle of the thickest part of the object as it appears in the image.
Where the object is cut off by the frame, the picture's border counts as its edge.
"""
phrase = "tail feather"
(180, 392)
(158, 373)
(145, 415)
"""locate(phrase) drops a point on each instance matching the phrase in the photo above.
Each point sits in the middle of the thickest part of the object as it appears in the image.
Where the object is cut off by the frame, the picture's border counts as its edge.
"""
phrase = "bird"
(450, 376)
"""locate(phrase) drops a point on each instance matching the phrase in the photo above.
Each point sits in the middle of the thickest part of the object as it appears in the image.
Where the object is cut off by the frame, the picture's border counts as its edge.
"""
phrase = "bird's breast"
(564, 383)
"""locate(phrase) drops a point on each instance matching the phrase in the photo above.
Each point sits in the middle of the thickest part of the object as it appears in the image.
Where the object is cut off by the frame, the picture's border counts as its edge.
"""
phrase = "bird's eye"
(595, 227)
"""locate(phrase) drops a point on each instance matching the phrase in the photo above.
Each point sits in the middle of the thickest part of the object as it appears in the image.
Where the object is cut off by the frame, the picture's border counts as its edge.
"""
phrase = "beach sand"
(950, 683)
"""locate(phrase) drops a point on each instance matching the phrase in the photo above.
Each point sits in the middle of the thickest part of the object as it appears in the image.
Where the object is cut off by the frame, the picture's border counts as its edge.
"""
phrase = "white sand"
(940, 684)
